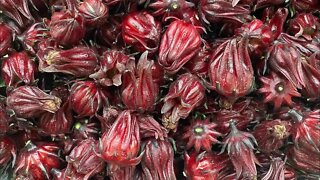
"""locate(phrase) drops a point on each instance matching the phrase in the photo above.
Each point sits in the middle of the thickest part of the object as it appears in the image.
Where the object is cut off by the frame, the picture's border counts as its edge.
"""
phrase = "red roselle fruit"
(17, 69)
(305, 25)
(304, 46)
(278, 90)
(230, 70)
(276, 170)
(67, 27)
(142, 31)
(185, 94)
(178, 45)
(31, 102)
(277, 21)
(305, 130)
(271, 135)
(79, 61)
(58, 123)
(84, 159)
(285, 59)
(119, 146)
(95, 12)
(260, 37)
(157, 161)
(112, 65)
(205, 165)
(223, 11)
(32, 37)
(6, 38)
(304, 159)
(150, 128)
(241, 112)
(8, 151)
(306, 5)
(35, 161)
(18, 11)
(201, 134)
(240, 147)
(87, 98)
(140, 88)
(311, 69)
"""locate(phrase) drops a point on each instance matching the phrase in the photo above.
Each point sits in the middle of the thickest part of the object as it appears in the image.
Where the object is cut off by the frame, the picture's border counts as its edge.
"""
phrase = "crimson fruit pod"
(230, 69)
(95, 12)
(67, 27)
(112, 65)
(18, 68)
(36, 161)
(157, 161)
(185, 94)
(87, 98)
(142, 31)
(139, 87)
(78, 61)
(178, 45)
(240, 147)
(119, 146)
(206, 165)
(31, 102)
(84, 159)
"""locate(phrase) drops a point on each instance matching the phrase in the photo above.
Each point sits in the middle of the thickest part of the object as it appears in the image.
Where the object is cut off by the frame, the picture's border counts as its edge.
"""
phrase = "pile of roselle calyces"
(160, 89)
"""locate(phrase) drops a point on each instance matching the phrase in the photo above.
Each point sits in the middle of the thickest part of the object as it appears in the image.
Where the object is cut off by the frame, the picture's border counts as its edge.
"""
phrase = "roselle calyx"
(205, 165)
(157, 161)
(95, 12)
(119, 146)
(224, 11)
(305, 130)
(304, 25)
(278, 90)
(185, 94)
(6, 38)
(79, 61)
(140, 89)
(33, 36)
(311, 70)
(201, 134)
(260, 37)
(112, 66)
(150, 128)
(86, 98)
(57, 123)
(18, 69)
(179, 44)
(285, 59)
(31, 102)
(230, 69)
(37, 160)
(142, 31)
(84, 159)
(18, 11)
(271, 135)
(67, 27)
(240, 147)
